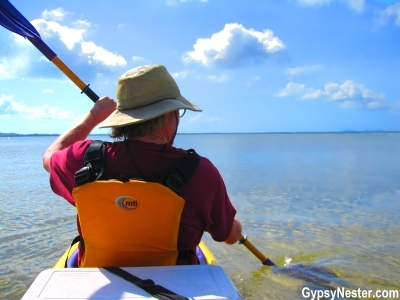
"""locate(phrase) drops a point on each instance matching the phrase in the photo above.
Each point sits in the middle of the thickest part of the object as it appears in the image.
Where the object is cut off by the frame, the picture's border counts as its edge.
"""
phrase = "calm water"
(330, 200)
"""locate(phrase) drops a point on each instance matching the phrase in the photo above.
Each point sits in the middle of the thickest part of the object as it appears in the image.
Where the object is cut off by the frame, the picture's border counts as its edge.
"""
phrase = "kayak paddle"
(314, 274)
(264, 260)
(13, 20)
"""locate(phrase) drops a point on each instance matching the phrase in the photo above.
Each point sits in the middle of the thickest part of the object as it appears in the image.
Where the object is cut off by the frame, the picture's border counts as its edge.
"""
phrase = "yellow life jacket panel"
(129, 223)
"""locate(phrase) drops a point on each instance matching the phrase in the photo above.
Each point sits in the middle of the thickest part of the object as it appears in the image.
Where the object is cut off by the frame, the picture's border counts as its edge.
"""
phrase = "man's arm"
(236, 232)
(100, 111)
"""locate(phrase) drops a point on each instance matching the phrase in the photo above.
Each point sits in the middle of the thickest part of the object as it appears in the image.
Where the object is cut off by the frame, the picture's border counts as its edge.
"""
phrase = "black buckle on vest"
(94, 163)
(175, 183)
(82, 176)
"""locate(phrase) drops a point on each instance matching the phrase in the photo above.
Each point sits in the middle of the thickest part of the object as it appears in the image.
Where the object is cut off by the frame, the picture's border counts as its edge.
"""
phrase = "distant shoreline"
(203, 133)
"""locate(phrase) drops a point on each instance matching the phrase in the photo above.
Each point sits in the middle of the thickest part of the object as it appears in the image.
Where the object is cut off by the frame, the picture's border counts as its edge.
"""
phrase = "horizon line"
(12, 134)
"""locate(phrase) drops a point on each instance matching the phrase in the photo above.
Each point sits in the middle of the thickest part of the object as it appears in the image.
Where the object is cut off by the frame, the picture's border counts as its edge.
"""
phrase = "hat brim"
(124, 117)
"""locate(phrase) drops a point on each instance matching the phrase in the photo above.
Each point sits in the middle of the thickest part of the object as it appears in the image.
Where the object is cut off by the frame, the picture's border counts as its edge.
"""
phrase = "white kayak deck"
(193, 282)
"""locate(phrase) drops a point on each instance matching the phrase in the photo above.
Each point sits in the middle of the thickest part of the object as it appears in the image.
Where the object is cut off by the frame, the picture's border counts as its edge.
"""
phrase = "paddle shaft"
(51, 56)
(264, 260)
(13, 20)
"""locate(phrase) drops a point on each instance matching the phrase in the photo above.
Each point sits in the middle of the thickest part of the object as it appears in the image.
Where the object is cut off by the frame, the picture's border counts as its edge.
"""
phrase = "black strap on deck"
(157, 291)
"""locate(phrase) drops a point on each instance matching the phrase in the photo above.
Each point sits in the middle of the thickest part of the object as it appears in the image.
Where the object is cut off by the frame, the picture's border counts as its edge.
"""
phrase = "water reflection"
(323, 200)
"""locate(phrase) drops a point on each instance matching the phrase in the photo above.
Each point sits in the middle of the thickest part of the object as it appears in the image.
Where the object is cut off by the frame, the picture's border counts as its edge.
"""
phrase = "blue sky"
(252, 66)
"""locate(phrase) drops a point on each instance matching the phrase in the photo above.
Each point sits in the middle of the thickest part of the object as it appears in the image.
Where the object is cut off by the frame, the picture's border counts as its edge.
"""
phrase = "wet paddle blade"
(312, 274)
(316, 275)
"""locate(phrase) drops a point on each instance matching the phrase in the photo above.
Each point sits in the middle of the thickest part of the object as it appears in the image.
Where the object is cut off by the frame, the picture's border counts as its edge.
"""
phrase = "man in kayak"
(144, 121)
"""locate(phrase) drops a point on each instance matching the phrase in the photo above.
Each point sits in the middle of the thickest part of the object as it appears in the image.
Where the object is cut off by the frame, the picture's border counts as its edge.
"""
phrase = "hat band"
(145, 99)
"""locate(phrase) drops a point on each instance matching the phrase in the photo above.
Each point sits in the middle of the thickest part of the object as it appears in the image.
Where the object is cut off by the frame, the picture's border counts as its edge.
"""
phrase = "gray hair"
(150, 128)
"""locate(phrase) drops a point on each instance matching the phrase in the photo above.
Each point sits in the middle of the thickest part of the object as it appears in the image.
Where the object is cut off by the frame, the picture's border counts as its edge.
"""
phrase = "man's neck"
(147, 139)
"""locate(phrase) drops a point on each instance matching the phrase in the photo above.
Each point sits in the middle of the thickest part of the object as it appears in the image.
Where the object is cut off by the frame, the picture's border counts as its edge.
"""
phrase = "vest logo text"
(126, 202)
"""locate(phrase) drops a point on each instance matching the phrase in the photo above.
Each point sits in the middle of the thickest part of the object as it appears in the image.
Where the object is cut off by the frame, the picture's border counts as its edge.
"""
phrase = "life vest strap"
(175, 179)
(182, 171)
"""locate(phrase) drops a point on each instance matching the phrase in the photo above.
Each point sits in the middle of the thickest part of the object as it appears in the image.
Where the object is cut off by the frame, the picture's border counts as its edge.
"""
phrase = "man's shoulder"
(79, 148)
(81, 144)
(207, 167)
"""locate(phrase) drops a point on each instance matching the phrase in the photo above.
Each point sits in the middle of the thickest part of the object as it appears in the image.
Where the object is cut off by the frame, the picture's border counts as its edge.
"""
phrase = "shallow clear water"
(330, 200)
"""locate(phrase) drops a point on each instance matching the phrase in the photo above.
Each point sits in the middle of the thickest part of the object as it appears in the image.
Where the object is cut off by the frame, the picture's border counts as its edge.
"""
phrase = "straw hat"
(144, 93)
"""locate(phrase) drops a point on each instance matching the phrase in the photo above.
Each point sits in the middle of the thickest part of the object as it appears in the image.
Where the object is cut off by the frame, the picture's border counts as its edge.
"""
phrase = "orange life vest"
(133, 223)
(128, 224)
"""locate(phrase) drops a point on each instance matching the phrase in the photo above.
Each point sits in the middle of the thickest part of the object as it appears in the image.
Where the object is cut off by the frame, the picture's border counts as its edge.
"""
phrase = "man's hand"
(236, 232)
(102, 108)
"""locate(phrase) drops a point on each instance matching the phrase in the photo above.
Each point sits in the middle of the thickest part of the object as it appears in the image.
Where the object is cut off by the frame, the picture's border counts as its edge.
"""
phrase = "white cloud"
(100, 54)
(13, 66)
(21, 41)
(47, 91)
(75, 34)
(22, 62)
(376, 105)
(81, 24)
(175, 2)
(291, 88)
(303, 69)
(57, 14)
(234, 46)
(357, 5)
(211, 77)
(69, 36)
(313, 2)
(137, 59)
(10, 107)
(121, 26)
(392, 10)
(350, 104)
(350, 89)
(218, 78)
(349, 93)
(199, 118)
(310, 93)
(181, 74)
(44, 59)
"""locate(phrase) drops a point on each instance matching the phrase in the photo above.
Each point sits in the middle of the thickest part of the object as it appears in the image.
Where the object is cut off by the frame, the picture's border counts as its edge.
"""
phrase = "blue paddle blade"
(13, 20)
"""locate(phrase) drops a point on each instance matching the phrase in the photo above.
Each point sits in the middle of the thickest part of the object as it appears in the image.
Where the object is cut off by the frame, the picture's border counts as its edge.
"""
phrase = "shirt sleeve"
(63, 165)
(222, 212)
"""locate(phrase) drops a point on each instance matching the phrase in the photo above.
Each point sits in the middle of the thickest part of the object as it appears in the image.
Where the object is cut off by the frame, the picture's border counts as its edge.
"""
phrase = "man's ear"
(171, 115)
